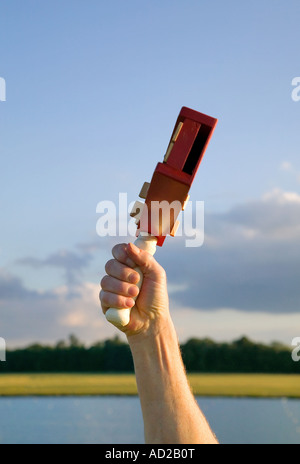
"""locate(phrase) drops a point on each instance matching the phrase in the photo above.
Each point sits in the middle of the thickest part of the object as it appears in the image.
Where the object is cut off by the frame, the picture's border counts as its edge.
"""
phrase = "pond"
(118, 420)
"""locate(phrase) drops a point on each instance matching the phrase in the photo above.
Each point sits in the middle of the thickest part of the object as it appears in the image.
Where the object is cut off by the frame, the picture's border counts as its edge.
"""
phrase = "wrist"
(151, 337)
(157, 356)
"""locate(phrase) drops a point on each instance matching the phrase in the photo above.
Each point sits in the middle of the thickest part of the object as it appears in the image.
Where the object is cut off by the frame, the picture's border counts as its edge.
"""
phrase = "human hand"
(150, 311)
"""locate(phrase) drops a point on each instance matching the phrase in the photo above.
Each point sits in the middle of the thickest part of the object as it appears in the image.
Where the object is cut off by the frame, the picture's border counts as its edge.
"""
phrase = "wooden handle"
(121, 317)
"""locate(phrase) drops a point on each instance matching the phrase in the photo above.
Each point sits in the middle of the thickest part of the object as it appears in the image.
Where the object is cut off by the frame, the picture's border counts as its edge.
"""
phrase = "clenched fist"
(150, 311)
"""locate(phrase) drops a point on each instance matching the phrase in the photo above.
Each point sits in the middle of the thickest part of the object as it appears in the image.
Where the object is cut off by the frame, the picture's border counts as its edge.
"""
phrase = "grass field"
(236, 385)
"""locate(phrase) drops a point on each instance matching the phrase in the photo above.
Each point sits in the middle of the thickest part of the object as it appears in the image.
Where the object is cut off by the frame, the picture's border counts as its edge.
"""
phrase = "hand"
(150, 312)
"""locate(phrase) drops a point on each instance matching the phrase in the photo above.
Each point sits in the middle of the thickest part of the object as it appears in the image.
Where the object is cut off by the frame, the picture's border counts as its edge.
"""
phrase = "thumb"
(146, 262)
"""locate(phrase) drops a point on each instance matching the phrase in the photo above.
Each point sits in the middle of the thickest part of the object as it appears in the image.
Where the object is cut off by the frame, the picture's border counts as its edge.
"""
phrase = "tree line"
(199, 355)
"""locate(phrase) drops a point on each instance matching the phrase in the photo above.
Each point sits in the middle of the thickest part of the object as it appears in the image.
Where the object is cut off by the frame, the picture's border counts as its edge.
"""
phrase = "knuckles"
(119, 251)
(163, 273)
(104, 282)
(109, 266)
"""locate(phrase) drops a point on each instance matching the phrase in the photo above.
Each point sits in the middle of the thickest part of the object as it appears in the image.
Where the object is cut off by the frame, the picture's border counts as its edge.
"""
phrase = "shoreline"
(268, 386)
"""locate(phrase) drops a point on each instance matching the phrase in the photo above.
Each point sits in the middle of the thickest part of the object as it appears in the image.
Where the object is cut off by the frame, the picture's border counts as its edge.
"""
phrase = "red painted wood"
(172, 179)
(183, 144)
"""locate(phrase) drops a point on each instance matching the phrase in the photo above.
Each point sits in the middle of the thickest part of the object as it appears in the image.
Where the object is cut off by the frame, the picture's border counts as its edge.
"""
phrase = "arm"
(171, 414)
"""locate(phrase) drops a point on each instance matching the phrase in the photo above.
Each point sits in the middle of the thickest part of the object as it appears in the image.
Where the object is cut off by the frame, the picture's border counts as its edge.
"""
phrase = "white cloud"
(54, 316)
(72, 263)
(249, 263)
(280, 197)
(230, 324)
(82, 311)
(286, 166)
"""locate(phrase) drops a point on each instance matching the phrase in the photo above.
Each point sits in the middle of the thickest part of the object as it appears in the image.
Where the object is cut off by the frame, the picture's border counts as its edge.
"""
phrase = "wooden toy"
(167, 193)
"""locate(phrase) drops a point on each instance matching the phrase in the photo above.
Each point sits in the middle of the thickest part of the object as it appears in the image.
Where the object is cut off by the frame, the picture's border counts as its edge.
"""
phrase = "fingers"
(146, 262)
(119, 285)
(118, 270)
(120, 254)
(116, 293)
(112, 300)
(110, 284)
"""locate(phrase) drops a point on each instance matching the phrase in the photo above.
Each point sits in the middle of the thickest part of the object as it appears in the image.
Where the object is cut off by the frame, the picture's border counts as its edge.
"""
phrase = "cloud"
(52, 316)
(29, 315)
(286, 166)
(12, 288)
(275, 217)
(72, 263)
(231, 324)
(244, 280)
(250, 262)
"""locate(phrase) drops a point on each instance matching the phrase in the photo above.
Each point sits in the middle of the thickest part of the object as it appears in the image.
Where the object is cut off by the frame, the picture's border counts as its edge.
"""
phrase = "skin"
(171, 414)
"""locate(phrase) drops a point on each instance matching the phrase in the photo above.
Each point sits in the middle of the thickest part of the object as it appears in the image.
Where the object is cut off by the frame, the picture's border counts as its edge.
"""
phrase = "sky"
(93, 90)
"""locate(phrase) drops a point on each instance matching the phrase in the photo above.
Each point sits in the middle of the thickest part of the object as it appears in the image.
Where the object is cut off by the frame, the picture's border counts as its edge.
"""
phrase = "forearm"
(171, 414)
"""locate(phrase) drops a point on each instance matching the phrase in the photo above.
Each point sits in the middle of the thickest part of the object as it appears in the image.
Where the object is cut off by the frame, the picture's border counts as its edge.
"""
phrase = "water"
(118, 420)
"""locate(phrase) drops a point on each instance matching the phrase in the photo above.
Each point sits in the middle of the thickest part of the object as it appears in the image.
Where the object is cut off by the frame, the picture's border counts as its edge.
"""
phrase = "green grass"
(236, 385)
(252, 385)
(66, 384)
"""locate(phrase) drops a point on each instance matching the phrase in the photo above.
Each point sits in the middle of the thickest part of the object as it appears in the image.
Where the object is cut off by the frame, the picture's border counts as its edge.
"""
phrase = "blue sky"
(93, 92)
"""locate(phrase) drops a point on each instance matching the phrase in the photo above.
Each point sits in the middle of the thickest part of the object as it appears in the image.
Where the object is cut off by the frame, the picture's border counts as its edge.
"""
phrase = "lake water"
(118, 420)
